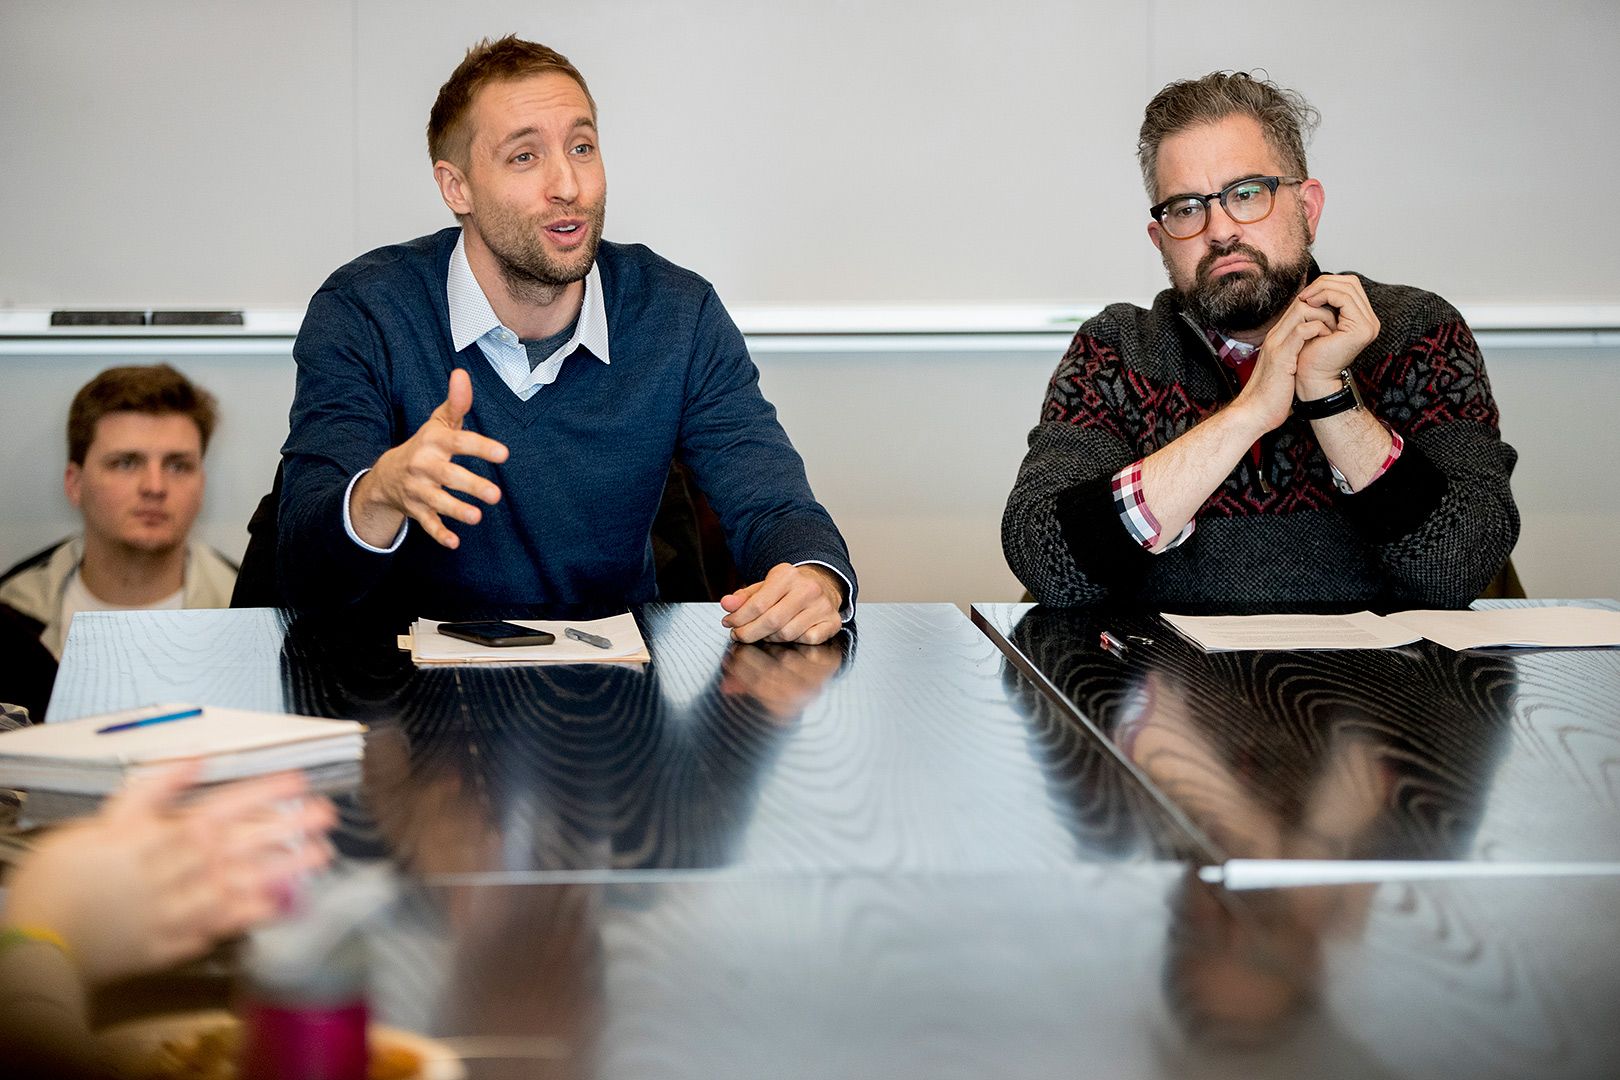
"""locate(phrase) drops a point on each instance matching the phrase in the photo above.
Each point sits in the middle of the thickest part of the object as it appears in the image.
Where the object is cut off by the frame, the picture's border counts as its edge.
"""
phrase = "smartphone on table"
(496, 634)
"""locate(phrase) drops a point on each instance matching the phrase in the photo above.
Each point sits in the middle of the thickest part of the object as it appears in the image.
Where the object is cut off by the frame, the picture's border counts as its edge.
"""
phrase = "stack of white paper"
(84, 756)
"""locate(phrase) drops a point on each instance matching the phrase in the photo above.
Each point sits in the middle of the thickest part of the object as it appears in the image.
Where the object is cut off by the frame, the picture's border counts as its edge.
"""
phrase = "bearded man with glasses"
(1266, 436)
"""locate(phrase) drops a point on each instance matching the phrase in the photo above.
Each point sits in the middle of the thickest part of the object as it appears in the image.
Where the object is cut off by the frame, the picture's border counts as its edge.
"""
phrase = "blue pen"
(145, 721)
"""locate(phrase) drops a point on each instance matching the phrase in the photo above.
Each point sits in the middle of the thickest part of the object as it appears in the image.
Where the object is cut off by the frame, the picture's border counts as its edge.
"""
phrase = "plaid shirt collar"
(1235, 354)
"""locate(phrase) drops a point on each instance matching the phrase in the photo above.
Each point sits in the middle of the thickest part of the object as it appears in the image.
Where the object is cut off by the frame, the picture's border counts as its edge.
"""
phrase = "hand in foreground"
(792, 604)
(1341, 304)
(147, 883)
(415, 478)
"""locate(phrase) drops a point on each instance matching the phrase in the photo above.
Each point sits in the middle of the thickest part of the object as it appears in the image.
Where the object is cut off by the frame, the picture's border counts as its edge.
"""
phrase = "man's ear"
(72, 481)
(452, 187)
(1312, 195)
(1153, 234)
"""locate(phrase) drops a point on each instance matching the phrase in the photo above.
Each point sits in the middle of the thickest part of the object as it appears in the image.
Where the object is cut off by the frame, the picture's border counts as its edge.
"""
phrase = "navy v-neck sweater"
(589, 453)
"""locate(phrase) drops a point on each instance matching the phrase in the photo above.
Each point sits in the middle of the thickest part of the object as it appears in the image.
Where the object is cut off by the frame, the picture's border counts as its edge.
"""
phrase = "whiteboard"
(830, 154)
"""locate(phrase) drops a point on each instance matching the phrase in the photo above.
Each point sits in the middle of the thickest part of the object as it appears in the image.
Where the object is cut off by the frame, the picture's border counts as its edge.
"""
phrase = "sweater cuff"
(1097, 539)
(348, 522)
(846, 612)
(1401, 500)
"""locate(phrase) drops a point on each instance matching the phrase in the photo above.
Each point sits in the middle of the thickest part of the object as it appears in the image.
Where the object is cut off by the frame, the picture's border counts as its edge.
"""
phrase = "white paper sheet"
(431, 647)
(1244, 633)
(1559, 627)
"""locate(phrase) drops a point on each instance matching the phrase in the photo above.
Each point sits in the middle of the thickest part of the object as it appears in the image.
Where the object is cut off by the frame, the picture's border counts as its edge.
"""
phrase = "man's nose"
(1222, 229)
(154, 480)
(561, 183)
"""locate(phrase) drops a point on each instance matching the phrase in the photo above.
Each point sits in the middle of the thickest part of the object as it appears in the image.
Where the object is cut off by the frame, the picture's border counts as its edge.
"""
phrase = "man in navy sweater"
(593, 364)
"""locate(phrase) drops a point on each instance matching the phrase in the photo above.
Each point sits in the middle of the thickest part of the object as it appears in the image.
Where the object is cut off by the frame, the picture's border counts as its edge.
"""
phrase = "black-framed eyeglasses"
(1246, 201)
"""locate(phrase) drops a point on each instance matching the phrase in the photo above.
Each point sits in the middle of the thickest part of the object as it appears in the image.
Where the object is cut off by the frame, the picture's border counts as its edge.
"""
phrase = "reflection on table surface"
(1131, 970)
(896, 747)
(1413, 753)
(906, 854)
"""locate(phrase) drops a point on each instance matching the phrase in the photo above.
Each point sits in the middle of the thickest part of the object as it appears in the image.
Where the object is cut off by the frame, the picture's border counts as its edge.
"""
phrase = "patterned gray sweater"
(1431, 532)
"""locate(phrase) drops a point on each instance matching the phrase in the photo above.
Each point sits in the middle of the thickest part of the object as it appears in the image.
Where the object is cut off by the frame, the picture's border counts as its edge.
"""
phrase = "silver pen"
(589, 639)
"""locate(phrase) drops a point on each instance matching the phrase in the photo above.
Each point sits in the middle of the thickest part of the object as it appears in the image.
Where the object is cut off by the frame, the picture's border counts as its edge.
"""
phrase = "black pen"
(589, 639)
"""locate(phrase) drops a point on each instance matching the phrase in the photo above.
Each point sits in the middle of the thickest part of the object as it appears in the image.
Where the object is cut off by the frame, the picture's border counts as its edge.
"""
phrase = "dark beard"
(1237, 303)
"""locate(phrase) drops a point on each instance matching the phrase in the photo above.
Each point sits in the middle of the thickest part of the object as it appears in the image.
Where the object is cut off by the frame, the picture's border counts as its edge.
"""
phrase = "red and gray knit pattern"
(1431, 532)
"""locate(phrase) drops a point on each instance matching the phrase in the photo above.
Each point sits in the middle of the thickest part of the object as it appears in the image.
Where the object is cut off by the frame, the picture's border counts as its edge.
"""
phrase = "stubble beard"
(531, 275)
(1247, 300)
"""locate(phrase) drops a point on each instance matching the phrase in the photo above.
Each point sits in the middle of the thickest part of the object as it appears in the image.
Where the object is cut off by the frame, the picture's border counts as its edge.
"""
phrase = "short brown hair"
(488, 61)
(155, 389)
(1284, 116)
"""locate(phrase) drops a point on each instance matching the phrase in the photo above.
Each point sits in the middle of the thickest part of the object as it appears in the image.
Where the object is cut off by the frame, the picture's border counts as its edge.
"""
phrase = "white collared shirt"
(472, 319)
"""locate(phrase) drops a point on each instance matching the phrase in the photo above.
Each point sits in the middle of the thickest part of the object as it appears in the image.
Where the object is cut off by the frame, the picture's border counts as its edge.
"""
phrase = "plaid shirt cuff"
(1134, 513)
(1396, 445)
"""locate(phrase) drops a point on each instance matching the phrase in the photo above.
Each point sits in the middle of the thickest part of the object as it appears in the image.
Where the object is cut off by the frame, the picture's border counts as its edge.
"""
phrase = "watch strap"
(1339, 401)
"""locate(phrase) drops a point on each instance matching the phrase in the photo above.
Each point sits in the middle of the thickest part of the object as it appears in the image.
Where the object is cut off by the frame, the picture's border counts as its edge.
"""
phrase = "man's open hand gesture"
(415, 479)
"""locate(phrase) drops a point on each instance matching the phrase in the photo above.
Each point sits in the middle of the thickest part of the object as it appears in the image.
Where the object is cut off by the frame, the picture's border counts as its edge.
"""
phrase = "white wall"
(175, 152)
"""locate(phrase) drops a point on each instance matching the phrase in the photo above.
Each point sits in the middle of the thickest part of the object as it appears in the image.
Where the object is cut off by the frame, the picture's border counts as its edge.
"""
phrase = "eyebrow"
(138, 452)
(1235, 180)
(525, 132)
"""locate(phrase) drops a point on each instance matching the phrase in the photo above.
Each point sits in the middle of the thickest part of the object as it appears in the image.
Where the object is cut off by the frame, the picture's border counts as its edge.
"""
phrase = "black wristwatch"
(1343, 400)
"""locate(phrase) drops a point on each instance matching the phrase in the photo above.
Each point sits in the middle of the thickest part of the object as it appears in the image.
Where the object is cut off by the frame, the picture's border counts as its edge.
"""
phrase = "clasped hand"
(1319, 335)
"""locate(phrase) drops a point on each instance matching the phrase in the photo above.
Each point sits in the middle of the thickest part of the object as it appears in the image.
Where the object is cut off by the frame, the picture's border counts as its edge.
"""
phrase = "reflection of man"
(1330, 437)
(136, 438)
(593, 364)
(1375, 754)
(634, 780)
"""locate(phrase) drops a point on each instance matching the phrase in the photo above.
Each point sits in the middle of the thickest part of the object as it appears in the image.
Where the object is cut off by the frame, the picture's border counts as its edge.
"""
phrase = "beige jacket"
(36, 587)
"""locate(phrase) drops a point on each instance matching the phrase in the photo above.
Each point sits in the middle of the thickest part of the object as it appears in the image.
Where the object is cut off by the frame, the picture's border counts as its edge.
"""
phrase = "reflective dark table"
(898, 747)
(1134, 970)
(890, 856)
(1109, 970)
(1411, 753)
